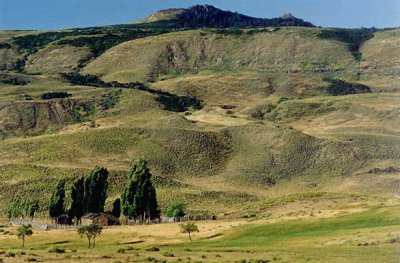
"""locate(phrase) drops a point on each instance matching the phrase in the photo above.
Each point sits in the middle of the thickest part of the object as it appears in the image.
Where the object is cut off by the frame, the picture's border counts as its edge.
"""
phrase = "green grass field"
(361, 234)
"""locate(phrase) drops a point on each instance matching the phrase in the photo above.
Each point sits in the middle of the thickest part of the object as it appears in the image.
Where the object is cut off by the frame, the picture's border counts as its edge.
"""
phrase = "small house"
(102, 219)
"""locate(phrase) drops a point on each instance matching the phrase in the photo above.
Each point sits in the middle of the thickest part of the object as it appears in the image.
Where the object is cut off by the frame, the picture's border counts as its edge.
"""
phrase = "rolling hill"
(272, 107)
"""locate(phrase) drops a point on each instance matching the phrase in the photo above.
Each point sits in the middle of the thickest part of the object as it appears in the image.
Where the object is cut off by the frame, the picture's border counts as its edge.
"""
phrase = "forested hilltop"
(199, 16)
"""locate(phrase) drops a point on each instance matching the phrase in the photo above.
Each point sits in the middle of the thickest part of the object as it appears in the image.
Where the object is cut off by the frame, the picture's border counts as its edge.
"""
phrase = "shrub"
(14, 81)
(84, 80)
(109, 100)
(54, 95)
(57, 250)
(176, 210)
(259, 111)
(24, 97)
(31, 259)
(10, 254)
(167, 254)
(153, 249)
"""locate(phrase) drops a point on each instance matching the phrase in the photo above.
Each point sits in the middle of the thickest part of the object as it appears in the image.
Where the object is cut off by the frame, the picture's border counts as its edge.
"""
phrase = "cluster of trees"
(139, 200)
(23, 209)
(170, 101)
(354, 38)
(199, 16)
(88, 195)
(32, 43)
(54, 95)
(94, 81)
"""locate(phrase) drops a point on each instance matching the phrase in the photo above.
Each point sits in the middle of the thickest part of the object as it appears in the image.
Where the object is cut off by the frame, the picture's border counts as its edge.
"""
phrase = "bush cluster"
(54, 95)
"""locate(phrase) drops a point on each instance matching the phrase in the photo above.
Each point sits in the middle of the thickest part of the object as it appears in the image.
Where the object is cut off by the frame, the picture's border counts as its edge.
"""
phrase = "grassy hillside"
(289, 135)
(284, 50)
(57, 58)
(285, 110)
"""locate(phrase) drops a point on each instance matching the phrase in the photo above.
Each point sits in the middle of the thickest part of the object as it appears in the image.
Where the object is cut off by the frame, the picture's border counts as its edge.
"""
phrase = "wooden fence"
(122, 222)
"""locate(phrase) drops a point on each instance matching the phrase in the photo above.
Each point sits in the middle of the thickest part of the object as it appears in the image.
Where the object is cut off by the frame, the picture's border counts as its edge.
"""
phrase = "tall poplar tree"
(96, 186)
(56, 207)
(139, 199)
(77, 209)
(116, 210)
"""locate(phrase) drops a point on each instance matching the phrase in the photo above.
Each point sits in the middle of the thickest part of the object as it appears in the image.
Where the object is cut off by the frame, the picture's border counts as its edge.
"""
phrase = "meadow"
(361, 231)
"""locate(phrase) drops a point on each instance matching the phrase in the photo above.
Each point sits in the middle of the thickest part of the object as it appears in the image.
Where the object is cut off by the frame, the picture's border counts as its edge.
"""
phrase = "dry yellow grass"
(289, 49)
(57, 58)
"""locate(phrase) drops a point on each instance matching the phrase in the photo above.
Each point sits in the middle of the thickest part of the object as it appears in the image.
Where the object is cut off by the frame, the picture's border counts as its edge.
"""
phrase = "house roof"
(92, 216)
